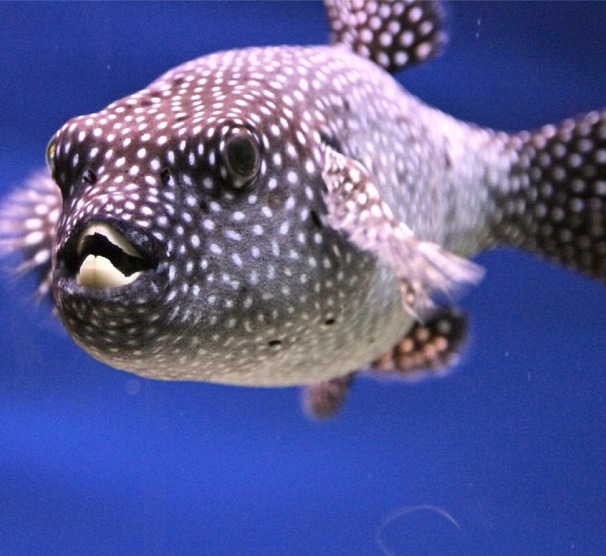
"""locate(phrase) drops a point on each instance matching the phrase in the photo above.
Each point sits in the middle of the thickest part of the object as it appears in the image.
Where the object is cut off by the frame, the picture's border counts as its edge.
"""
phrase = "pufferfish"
(291, 215)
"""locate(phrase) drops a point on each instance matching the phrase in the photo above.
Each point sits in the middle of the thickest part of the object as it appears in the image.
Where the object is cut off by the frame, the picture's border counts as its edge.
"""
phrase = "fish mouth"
(102, 257)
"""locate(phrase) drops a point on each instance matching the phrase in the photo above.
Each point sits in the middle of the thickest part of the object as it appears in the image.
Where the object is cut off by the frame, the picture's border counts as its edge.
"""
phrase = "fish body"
(258, 269)
(289, 215)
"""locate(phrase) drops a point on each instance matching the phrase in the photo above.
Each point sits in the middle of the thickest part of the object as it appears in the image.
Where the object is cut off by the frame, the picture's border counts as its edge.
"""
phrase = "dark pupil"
(242, 156)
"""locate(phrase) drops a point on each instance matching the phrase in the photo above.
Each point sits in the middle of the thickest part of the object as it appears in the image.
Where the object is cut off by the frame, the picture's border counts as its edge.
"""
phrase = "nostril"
(315, 219)
(165, 176)
(89, 177)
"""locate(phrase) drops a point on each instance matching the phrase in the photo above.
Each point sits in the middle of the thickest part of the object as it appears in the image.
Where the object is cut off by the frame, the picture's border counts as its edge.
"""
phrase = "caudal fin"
(555, 202)
(28, 217)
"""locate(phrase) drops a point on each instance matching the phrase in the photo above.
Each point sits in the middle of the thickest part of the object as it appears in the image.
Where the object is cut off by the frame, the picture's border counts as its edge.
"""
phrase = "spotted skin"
(290, 213)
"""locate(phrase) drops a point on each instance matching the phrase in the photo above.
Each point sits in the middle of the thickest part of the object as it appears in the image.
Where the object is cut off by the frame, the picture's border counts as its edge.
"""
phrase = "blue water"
(512, 445)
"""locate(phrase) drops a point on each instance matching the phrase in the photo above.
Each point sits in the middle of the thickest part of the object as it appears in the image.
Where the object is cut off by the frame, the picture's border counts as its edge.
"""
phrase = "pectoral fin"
(423, 268)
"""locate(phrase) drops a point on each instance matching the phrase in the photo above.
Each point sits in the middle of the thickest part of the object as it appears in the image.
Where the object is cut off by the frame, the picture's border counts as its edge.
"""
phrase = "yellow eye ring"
(51, 150)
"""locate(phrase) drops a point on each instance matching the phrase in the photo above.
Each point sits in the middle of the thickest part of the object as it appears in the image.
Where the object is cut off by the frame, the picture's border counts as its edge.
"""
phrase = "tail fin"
(28, 218)
(555, 202)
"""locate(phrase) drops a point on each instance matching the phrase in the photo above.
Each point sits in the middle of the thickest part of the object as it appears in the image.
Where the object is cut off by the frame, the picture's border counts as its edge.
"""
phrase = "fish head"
(192, 242)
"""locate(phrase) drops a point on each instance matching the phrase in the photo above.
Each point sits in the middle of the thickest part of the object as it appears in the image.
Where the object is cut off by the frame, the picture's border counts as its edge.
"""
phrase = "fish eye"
(242, 159)
(51, 150)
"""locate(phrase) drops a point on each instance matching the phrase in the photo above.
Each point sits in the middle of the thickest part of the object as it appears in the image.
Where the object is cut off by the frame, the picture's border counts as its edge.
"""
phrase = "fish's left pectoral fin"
(429, 349)
(423, 268)
(394, 34)
(322, 400)
(28, 218)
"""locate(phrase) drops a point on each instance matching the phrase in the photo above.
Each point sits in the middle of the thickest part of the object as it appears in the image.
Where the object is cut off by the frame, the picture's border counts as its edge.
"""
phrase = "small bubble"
(132, 386)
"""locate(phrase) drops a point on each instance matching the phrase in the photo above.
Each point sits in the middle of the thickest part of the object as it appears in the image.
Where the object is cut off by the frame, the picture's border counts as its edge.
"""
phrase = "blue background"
(512, 444)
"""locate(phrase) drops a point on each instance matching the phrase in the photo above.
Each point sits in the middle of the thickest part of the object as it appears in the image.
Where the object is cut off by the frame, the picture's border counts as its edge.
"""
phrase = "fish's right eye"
(242, 157)
(51, 150)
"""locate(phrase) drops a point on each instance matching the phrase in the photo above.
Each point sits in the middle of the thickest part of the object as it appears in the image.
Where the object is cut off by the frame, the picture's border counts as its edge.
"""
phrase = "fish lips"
(110, 260)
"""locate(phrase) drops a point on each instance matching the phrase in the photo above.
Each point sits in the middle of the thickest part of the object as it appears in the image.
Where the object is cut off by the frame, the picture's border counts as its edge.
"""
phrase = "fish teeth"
(112, 235)
(99, 273)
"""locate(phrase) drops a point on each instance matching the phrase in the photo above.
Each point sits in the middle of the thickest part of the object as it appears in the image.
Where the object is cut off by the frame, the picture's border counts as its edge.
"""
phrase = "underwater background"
(507, 455)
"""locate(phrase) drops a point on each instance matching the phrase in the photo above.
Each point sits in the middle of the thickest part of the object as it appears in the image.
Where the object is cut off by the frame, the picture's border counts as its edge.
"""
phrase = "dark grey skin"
(288, 215)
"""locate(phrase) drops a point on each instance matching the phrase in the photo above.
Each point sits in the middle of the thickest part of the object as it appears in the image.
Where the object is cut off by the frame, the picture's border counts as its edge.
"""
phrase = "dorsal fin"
(392, 33)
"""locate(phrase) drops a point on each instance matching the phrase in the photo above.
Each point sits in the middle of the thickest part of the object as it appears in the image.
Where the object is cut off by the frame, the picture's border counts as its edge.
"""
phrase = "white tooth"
(99, 273)
(111, 234)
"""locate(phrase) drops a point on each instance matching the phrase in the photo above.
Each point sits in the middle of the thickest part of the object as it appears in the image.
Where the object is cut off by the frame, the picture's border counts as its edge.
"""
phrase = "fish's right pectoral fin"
(28, 220)
(423, 268)
(428, 349)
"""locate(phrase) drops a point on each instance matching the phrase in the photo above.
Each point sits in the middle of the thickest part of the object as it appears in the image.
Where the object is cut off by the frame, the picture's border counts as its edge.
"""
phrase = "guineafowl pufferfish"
(290, 215)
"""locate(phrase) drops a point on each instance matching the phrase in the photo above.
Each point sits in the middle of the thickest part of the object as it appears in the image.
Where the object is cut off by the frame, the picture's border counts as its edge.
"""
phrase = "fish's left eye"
(51, 150)
(242, 159)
